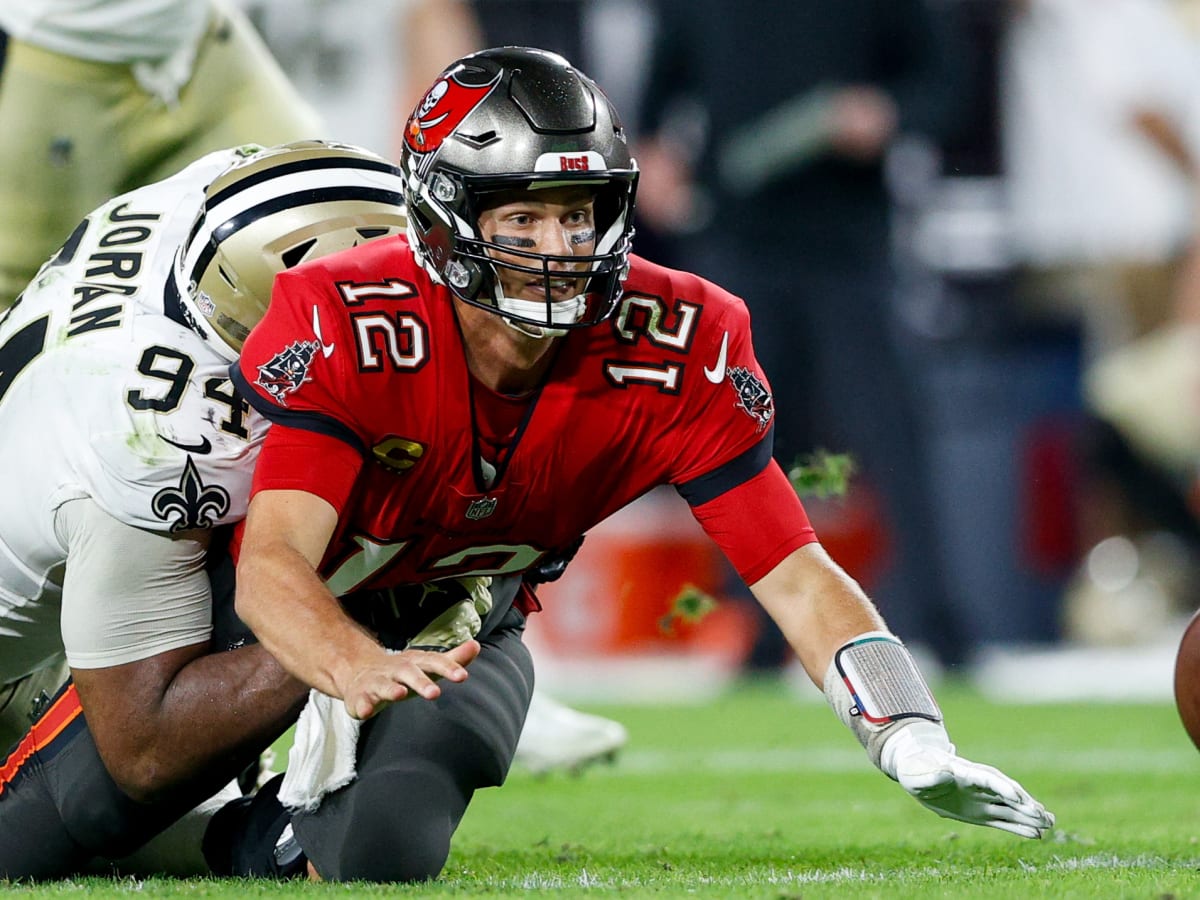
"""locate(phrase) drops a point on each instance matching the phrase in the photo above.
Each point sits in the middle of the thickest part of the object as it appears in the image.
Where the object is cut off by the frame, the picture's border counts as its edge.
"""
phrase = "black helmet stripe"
(266, 211)
(301, 165)
(293, 200)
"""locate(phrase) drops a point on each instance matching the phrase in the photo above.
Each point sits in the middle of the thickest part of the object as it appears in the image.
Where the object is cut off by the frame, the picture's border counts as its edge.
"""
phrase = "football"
(1187, 679)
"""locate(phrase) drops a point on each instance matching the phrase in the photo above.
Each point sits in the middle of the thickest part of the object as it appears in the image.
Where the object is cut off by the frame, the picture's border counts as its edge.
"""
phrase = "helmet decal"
(442, 110)
(583, 161)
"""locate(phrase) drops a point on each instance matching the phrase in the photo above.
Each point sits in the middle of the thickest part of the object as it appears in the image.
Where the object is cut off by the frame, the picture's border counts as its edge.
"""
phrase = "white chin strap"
(564, 312)
(530, 330)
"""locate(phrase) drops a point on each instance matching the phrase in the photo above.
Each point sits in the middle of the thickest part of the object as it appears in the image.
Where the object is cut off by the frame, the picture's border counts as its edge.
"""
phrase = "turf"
(761, 795)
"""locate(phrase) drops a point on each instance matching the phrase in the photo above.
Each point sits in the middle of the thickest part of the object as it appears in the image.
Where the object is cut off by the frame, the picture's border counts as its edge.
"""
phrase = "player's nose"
(556, 241)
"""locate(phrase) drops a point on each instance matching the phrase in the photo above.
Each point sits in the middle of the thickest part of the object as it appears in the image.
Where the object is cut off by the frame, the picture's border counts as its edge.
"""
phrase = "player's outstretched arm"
(875, 688)
(186, 719)
(282, 599)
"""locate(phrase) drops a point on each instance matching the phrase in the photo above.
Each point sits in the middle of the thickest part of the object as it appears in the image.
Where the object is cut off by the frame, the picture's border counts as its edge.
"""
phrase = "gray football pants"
(419, 764)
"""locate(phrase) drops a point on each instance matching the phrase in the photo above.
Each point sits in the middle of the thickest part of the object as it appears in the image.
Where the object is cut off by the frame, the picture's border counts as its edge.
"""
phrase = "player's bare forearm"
(816, 605)
(823, 612)
(288, 609)
(283, 600)
(187, 721)
(316, 641)
(285, 603)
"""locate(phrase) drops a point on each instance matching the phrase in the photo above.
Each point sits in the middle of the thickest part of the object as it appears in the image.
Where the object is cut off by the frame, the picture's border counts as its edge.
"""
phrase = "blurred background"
(966, 232)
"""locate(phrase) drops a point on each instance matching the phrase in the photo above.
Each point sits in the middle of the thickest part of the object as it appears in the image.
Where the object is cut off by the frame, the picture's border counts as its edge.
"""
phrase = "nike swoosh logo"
(717, 374)
(205, 445)
(325, 348)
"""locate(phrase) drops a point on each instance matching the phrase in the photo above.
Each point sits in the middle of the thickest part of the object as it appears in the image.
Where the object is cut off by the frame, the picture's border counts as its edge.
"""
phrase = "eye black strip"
(505, 240)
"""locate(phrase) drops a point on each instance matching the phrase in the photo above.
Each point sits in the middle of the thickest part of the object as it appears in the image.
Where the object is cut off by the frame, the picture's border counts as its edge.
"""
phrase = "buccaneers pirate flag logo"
(444, 107)
(284, 372)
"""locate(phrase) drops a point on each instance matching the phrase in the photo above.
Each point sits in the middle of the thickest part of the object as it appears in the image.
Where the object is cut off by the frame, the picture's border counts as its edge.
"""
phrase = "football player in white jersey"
(98, 98)
(125, 451)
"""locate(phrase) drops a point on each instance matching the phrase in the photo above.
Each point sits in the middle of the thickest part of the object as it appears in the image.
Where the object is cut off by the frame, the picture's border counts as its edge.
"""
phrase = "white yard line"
(538, 881)
(851, 759)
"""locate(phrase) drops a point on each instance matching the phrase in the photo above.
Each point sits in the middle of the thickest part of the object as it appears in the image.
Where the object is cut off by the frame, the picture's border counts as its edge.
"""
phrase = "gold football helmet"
(273, 210)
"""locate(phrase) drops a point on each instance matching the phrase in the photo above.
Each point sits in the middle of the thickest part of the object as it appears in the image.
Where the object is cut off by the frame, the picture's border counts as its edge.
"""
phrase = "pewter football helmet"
(517, 118)
(278, 208)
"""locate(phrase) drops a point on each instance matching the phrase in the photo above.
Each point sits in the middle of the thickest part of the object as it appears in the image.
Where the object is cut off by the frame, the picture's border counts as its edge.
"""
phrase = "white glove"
(921, 758)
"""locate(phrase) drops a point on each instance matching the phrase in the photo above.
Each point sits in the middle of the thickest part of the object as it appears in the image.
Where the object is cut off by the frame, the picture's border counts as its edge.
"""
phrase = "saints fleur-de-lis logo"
(197, 505)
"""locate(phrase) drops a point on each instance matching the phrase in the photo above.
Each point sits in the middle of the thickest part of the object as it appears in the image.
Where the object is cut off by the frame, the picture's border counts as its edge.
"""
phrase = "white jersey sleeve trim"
(129, 594)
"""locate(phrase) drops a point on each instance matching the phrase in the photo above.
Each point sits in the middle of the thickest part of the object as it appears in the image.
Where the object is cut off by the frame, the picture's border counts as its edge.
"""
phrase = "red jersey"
(360, 366)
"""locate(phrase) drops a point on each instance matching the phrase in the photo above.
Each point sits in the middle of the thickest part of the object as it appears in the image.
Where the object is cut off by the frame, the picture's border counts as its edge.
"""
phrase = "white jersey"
(113, 31)
(107, 393)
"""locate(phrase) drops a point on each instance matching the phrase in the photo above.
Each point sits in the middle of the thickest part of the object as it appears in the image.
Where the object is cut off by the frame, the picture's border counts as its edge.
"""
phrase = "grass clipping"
(820, 474)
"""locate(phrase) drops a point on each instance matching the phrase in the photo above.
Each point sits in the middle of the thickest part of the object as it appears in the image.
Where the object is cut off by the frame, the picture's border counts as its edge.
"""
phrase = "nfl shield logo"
(481, 509)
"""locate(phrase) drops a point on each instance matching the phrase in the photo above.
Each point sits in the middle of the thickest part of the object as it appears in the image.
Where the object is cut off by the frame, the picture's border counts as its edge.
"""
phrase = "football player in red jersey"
(460, 408)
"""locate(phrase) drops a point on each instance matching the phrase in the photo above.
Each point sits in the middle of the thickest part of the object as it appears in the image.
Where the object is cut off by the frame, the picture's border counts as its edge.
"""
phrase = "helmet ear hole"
(416, 214)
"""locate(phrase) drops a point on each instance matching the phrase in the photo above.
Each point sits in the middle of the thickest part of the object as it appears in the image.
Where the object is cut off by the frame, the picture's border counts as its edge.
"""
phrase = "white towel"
(325, 747)
(322, 758)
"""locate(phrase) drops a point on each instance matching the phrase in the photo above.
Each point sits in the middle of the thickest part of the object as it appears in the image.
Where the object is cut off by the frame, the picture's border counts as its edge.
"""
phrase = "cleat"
(558, 738)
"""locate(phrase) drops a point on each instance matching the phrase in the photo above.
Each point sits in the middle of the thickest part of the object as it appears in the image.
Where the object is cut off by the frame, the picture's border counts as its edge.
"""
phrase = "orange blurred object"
(624, 581)
(619, 592)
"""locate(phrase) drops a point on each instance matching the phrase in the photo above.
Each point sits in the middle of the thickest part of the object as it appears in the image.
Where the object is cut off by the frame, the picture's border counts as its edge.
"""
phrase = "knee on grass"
(399, 830)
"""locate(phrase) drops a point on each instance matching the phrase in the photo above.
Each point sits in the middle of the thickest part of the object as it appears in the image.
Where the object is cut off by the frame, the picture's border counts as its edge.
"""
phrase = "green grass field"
(759, 795)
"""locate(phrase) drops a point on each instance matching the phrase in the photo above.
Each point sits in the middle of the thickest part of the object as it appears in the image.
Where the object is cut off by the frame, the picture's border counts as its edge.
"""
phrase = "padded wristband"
(874, 687)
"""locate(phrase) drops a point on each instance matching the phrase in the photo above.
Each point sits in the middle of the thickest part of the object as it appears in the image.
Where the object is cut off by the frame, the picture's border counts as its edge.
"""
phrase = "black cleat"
(252, 837)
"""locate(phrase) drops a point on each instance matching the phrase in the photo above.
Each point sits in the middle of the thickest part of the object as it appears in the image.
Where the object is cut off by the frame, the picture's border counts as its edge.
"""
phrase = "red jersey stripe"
(61, 713)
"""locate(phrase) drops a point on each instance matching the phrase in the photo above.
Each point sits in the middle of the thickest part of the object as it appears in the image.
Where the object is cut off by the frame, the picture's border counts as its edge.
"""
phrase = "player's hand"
(862, 120)
(922, 759)
(392, 677)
